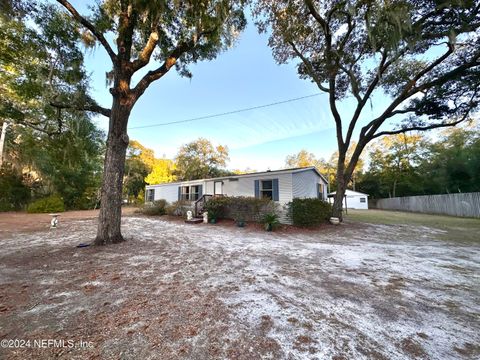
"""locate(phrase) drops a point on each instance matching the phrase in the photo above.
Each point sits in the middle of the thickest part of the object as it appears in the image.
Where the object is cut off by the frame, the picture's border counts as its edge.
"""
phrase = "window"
(194, 192)
(185, 193)
(190, 193)
(150, 195)
(362, 200)
(266, 189)
(320, 191)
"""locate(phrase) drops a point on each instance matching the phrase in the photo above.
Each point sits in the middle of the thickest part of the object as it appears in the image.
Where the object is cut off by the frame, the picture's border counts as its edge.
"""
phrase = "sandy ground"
(177, 291)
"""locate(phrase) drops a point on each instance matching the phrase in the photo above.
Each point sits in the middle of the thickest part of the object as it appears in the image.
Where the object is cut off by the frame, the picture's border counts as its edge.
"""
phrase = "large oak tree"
(165, 32)
(422, 56)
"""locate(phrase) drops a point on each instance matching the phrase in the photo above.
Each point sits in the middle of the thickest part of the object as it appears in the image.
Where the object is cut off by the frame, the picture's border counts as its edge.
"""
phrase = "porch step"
(194, 221)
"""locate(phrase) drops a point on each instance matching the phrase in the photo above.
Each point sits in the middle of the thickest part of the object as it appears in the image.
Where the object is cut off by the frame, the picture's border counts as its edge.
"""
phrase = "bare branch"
(409, 90)
(420, 128)
(156, 74)
(90, 27)
(86, 107)
(382, 67)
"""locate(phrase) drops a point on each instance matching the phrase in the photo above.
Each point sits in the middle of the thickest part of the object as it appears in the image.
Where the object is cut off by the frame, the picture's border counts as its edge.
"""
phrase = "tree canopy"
(405, 165)
(199, 159)
(41, 63)
(423, 56)
(166, 34)
(304, 158)
(163, 171)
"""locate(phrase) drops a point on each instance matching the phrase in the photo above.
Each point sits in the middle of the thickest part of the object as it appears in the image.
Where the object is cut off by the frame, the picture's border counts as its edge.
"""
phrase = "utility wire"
(225, 113)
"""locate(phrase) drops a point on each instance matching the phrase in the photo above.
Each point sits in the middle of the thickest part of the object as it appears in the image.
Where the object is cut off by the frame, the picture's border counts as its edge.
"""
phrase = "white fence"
(458, 204)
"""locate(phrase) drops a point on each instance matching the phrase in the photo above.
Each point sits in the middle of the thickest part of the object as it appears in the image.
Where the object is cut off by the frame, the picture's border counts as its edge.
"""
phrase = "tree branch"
(87, 107)
(409, 90)
(309, 66)
(420, 128)
(126, 25)
(353, 83)
(313, 11)
(146, 53)
(156, 74)
(90, 27)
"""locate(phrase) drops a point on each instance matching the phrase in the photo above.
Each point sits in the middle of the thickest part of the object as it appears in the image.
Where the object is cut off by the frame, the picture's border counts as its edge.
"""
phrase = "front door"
(218, 188)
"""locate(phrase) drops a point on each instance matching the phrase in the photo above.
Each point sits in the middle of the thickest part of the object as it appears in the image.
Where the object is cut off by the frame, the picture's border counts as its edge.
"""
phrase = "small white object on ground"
(189, 215)
(54, 221)
(205, 217)
(334, 220)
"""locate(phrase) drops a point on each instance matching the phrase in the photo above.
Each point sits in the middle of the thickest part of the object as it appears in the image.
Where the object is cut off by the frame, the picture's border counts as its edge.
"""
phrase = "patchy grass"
(455, 228)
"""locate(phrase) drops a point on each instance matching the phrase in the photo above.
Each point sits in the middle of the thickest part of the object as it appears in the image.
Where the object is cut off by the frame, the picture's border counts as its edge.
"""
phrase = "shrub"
(270, 221)
(216, 207)
(13, 193)
(157, 208)
(177, 208)
(309, 212)
(88, 200)
(239, 208)
(53, 203)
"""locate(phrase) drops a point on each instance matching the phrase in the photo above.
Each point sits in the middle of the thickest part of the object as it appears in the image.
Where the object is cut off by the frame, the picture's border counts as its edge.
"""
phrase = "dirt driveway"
(176, 291)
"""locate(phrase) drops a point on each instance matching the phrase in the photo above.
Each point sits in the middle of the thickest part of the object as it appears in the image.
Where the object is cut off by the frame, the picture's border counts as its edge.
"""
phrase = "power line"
(225, 113)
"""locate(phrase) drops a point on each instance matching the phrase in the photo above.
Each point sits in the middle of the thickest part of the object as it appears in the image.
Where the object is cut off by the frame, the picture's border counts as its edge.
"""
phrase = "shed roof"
(348, 192)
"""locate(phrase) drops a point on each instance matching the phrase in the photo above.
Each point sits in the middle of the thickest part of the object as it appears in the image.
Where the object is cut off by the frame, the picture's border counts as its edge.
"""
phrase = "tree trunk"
(338, 201)
(340, 191)
(109, 221)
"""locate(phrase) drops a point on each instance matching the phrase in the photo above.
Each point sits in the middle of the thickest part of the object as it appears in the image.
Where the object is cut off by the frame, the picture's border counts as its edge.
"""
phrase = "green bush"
(239, 208)
(157, 208)
(88, 200)
(309, 212)
(53, 203)
(177, 208)
(216, 207)
(13, 193)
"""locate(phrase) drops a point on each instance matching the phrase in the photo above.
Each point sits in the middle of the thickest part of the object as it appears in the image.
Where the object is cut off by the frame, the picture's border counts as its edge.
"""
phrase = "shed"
(352, 199)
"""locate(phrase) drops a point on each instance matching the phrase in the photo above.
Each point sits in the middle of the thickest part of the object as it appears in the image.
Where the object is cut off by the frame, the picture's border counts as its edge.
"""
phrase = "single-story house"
(352, 199)
(279, 185)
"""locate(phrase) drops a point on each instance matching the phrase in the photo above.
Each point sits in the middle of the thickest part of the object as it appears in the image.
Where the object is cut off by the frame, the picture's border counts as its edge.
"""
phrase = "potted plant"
(240, 222)
(214, 209)
(270, 221)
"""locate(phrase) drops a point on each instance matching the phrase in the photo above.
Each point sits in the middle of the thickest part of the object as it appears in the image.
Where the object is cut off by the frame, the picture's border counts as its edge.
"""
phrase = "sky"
(244, 76)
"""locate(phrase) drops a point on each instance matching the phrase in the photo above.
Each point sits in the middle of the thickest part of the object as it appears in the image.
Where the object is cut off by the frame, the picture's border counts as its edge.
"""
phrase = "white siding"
(353, 200)
(169, 192)
(245, 186)
(305, 184)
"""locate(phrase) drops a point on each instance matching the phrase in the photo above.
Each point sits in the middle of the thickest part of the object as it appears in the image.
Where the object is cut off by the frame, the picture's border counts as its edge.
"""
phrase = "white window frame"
(363, 200)
(194, 195)
(185, 193)
(150, 195)
(262, 189)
